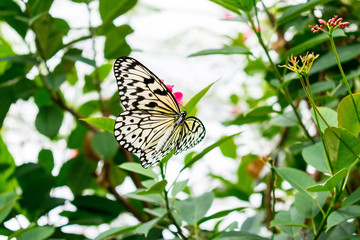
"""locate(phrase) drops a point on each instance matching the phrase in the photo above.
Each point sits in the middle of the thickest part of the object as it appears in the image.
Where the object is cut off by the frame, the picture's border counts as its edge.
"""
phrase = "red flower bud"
(321, 21)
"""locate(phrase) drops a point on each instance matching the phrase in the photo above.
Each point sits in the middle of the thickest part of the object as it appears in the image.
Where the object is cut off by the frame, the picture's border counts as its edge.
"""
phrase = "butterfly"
(151, 124)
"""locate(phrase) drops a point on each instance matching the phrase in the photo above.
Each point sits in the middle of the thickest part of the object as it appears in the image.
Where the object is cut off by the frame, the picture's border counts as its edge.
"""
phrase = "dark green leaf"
(257, 114)
(38, 6)
(347, 115)
(240, 235)
(115, 43)
(223, 51)
(144, 228)
(7, 201)
(341, 215)
(103, 123)
(49, 120)
(220, 214)
(111, 9)
(330, 183)
(89, 108)
(114, 232)
(353, 198)
(104, 145)
(46, 159)
(10, 13)
(76, 137)
(157, 188)
(37, 233)
(289, 221)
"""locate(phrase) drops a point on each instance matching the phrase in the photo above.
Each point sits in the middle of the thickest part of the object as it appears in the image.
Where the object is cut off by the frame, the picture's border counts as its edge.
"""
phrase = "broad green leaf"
(48, 121)
(229, 148)
(89, 108)
(341, 215)
(287, 119)
(152, 198)
(78, 57)
(240, 235)
(353, 198)
(307, 206)
(115, 43)
(144, 228)
(289, 221)
(11, 13)
(75, 139)
(7, 166)
(330, 183)
(178, 187)
(195, 99)
(206, 150)
(104, 145)
(37, 233)
(7, 201)
(55, 81)
(313, 42)
(294, 11)
(37, 6)
(137, 168)
(46, 159)
(223, 51)
(347, 115)
(193, 209)
(258, 114)
(342, 152)
(329, 115)
(112, 232)
(328, 60)
(42, 98)
(297, 179)
(103, 123)
(314, 155)
(229, 5)
(220, 214)
(157, 188)
(111, 9)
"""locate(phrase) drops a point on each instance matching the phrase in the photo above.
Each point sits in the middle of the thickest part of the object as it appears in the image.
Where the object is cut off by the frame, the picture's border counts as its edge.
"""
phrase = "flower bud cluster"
(332, 24)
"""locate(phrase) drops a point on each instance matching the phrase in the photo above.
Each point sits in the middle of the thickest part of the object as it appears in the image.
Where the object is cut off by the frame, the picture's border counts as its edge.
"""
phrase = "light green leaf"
(294, 11)
(330, 183)
(227, 5)
(103, 123)
(114, 232)
(220, 214)
(152, 198)
(342, 152)
(329, 115)
(190, 106)
(289, 221)
(104, 145)
(307, 206)
(157, 188)
(178, 187)
(7, 201)
(240, 235)
(144, 228)
(347, 115)
(193, 209)
(341, 215)
(37, 233)
(229, 148)
(353, 198)
(314, 155)
(206, 150)
(223, 51)
(297, 179)
(137, 168)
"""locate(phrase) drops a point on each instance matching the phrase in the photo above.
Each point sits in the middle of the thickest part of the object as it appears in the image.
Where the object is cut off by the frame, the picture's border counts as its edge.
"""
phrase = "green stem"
(333, 47)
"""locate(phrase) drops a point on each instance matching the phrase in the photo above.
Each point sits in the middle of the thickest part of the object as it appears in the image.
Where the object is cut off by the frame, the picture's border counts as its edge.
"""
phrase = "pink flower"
(228, 16)
(332, 24)
(177, 95)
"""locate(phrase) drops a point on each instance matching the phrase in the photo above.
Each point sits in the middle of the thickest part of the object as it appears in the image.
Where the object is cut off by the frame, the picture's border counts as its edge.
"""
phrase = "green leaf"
(229, 5)
(89, 108)
(258, 114)
(37, 233)
(48, 121)
(137, 168)
(353, 198)
(7, 202)
(297, 179)
(294, 11)
(220, 214)
(144, 228)
(302, 47)
(342, 152)
(193, 209)
(314, 155)
(207, 150)
(287, 119)
(289, 221)
(329, 115)
(240, 235)
(46, 159)
(104, 145)
(330, 183)
(347, 115)
(341, 215)
(76, 137)
(8, 166)
(152, 198)
(115, 43)
(10, 12)
(328, 60)
(178, 187)
(229, 148)
(307, 206)
(103, 123)
(111, 9)
(157, 188)
(195, 99)
(223, 51)
(112, 232)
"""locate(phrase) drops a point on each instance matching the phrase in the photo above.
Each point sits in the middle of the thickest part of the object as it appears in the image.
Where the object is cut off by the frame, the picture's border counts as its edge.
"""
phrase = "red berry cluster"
(331, 23)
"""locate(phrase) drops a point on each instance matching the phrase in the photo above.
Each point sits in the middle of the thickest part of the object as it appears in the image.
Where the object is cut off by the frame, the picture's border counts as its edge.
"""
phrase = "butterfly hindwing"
(192, 132)
(139, 88)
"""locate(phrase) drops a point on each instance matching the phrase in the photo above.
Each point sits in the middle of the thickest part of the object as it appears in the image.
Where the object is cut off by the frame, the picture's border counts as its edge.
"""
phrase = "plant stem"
(170, 215)
(333, 47)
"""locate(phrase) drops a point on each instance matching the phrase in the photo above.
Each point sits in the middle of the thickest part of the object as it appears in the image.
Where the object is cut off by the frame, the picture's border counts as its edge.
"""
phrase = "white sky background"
(163, 38)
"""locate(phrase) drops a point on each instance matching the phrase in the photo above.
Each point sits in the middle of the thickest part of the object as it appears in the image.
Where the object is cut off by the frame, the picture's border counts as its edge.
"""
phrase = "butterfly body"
(151, 124)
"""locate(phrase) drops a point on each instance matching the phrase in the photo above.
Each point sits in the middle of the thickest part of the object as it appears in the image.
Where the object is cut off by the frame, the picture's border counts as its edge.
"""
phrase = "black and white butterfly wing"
(139, 88)
(192, 132)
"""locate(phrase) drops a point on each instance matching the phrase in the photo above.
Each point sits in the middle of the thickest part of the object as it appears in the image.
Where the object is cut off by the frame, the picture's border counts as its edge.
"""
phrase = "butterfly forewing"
(139, 88)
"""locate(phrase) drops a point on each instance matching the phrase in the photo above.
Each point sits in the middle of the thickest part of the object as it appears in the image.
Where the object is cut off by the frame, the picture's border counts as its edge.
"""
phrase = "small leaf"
(341, 215)
(48, 121)
(224, 51)
(195, 99)
(104, 145)
(112, 232)
(314, 155)
(157, 188)
(227, 5)
(206, 150)
(347, 115)
(37, 233)
(240, 235)
(144, 228)
(7, 202)
(103, 123)
(220, 214)
(178, 187)
(228, 149)
(330, 183)
(193, 209)
(353, 198)
(329, 115)
(46, 159)
(137, 168)
(307, 206)
(289, 221)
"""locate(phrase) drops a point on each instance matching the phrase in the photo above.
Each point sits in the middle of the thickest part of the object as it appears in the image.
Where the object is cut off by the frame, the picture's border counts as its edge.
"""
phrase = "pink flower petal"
(170, 87)
(178, 97)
